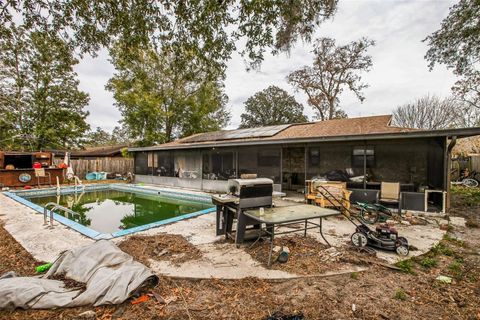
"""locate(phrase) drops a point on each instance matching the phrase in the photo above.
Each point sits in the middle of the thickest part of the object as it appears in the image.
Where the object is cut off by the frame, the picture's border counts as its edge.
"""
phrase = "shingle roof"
(363, 128)
(327, 128)
(103, 151)
(342, 127)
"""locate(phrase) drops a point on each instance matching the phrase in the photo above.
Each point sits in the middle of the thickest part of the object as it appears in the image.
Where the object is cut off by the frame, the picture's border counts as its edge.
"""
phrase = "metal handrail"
(55, 207)
(77, 180)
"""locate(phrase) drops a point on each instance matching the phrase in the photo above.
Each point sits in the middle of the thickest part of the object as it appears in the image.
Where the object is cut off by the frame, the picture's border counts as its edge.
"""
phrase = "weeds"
(455, 241)
(456, 268)
(441, 248)
(406, 266)
(400, 294)
(354, 275)
(469, 197)
(428, 263)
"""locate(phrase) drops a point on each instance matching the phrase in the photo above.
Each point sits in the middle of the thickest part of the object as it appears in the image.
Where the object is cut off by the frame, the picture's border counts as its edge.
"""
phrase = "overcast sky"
(399, 75)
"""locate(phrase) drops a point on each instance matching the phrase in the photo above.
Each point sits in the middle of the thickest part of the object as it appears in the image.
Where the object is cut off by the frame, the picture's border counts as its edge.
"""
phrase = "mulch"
(69, 283)
(307, 255)
(171, 247)
(372, 294)
(13, 257)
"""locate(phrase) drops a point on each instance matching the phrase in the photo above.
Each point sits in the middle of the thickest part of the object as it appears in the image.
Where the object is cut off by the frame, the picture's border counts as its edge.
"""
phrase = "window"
(358, 155)
(314, 156)
(219, 165)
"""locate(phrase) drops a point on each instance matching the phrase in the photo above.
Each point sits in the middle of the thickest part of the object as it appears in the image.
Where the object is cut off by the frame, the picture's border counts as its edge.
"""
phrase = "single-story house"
(291, 154)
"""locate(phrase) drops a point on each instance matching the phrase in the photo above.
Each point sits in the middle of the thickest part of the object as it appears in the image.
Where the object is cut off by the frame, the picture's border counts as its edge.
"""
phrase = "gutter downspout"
(447, 160)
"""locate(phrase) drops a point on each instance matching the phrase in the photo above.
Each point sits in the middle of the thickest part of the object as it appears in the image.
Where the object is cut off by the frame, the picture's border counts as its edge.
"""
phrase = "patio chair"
(40, 173)
(337, 196)
(390, 192)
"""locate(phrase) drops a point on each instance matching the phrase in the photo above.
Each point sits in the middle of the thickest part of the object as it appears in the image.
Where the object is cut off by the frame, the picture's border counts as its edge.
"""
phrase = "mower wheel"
(402, 250)
(359, 239)
(402, 246)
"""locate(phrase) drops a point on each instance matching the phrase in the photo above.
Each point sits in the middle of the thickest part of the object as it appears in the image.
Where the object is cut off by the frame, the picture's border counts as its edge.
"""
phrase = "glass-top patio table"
(284, 216)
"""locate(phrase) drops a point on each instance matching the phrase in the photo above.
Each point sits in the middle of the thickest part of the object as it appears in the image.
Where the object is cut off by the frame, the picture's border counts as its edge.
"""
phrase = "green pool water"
(108, 211)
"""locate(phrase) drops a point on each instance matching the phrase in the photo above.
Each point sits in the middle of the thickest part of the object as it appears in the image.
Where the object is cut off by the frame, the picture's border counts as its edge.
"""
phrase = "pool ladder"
(78, 183)
(55, 206)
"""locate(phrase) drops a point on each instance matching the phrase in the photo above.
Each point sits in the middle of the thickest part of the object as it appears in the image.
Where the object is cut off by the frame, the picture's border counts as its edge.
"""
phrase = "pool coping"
(18, 195)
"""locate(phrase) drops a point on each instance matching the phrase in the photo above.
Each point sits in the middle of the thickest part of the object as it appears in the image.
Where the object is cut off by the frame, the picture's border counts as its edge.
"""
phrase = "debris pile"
(170, 247)
(306, 255)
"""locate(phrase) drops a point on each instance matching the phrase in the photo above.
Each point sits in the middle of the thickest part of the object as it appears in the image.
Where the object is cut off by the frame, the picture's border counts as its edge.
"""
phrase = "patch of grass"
(354, 275)
(428, 262)
(456, 268)
(469, 197)
(442, 248)
(400, 294)
(460, 243)
(406, 266)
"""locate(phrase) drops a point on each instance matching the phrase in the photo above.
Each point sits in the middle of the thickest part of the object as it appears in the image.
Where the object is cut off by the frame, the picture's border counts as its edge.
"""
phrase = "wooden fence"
(475, 162)
(111, 165)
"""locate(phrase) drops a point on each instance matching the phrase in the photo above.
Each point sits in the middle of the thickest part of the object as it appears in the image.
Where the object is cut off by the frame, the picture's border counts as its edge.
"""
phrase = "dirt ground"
(377, 293)
(172, 247)
(309, 257)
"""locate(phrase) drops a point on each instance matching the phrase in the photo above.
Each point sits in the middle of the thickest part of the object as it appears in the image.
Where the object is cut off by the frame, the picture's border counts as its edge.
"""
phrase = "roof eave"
(459, 133)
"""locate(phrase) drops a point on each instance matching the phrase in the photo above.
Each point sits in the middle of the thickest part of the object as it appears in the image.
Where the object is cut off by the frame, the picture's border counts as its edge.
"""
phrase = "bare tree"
(429, 112)
(335, 68)
(469, 115)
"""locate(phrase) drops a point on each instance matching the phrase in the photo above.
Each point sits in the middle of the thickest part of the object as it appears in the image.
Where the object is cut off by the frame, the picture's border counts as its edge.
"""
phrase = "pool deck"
(220, 260)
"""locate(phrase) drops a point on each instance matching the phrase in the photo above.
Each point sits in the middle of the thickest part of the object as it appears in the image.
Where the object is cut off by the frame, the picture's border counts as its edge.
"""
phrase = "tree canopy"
(40, 102)
(209, 28)
(163, 95)
(456, 45)
(335, 68)
(271, 106)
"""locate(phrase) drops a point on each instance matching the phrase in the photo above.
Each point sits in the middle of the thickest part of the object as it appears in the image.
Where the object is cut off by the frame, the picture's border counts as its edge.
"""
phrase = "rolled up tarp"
(111, 277)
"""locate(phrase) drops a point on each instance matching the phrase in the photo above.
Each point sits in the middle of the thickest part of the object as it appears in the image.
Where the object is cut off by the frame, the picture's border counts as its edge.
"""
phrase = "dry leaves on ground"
(171, 247)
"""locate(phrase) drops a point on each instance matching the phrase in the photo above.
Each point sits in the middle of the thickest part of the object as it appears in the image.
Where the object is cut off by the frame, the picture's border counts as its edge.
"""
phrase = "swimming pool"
(114, 210)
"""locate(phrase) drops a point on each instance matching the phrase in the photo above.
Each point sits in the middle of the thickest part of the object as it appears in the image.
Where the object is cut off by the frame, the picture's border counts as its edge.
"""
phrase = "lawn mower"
(383, 237)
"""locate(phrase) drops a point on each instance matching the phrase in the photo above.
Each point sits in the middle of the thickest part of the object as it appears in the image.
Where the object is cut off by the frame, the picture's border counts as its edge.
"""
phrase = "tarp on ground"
(111, 276)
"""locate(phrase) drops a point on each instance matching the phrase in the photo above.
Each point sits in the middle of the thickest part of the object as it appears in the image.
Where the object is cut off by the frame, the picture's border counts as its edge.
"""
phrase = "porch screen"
(188, 164)
(165, 166)
(263, 161)
(141, 163)
(219, 165)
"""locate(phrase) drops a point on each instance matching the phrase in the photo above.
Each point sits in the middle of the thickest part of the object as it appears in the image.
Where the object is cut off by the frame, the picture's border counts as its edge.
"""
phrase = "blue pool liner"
(20, 194)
